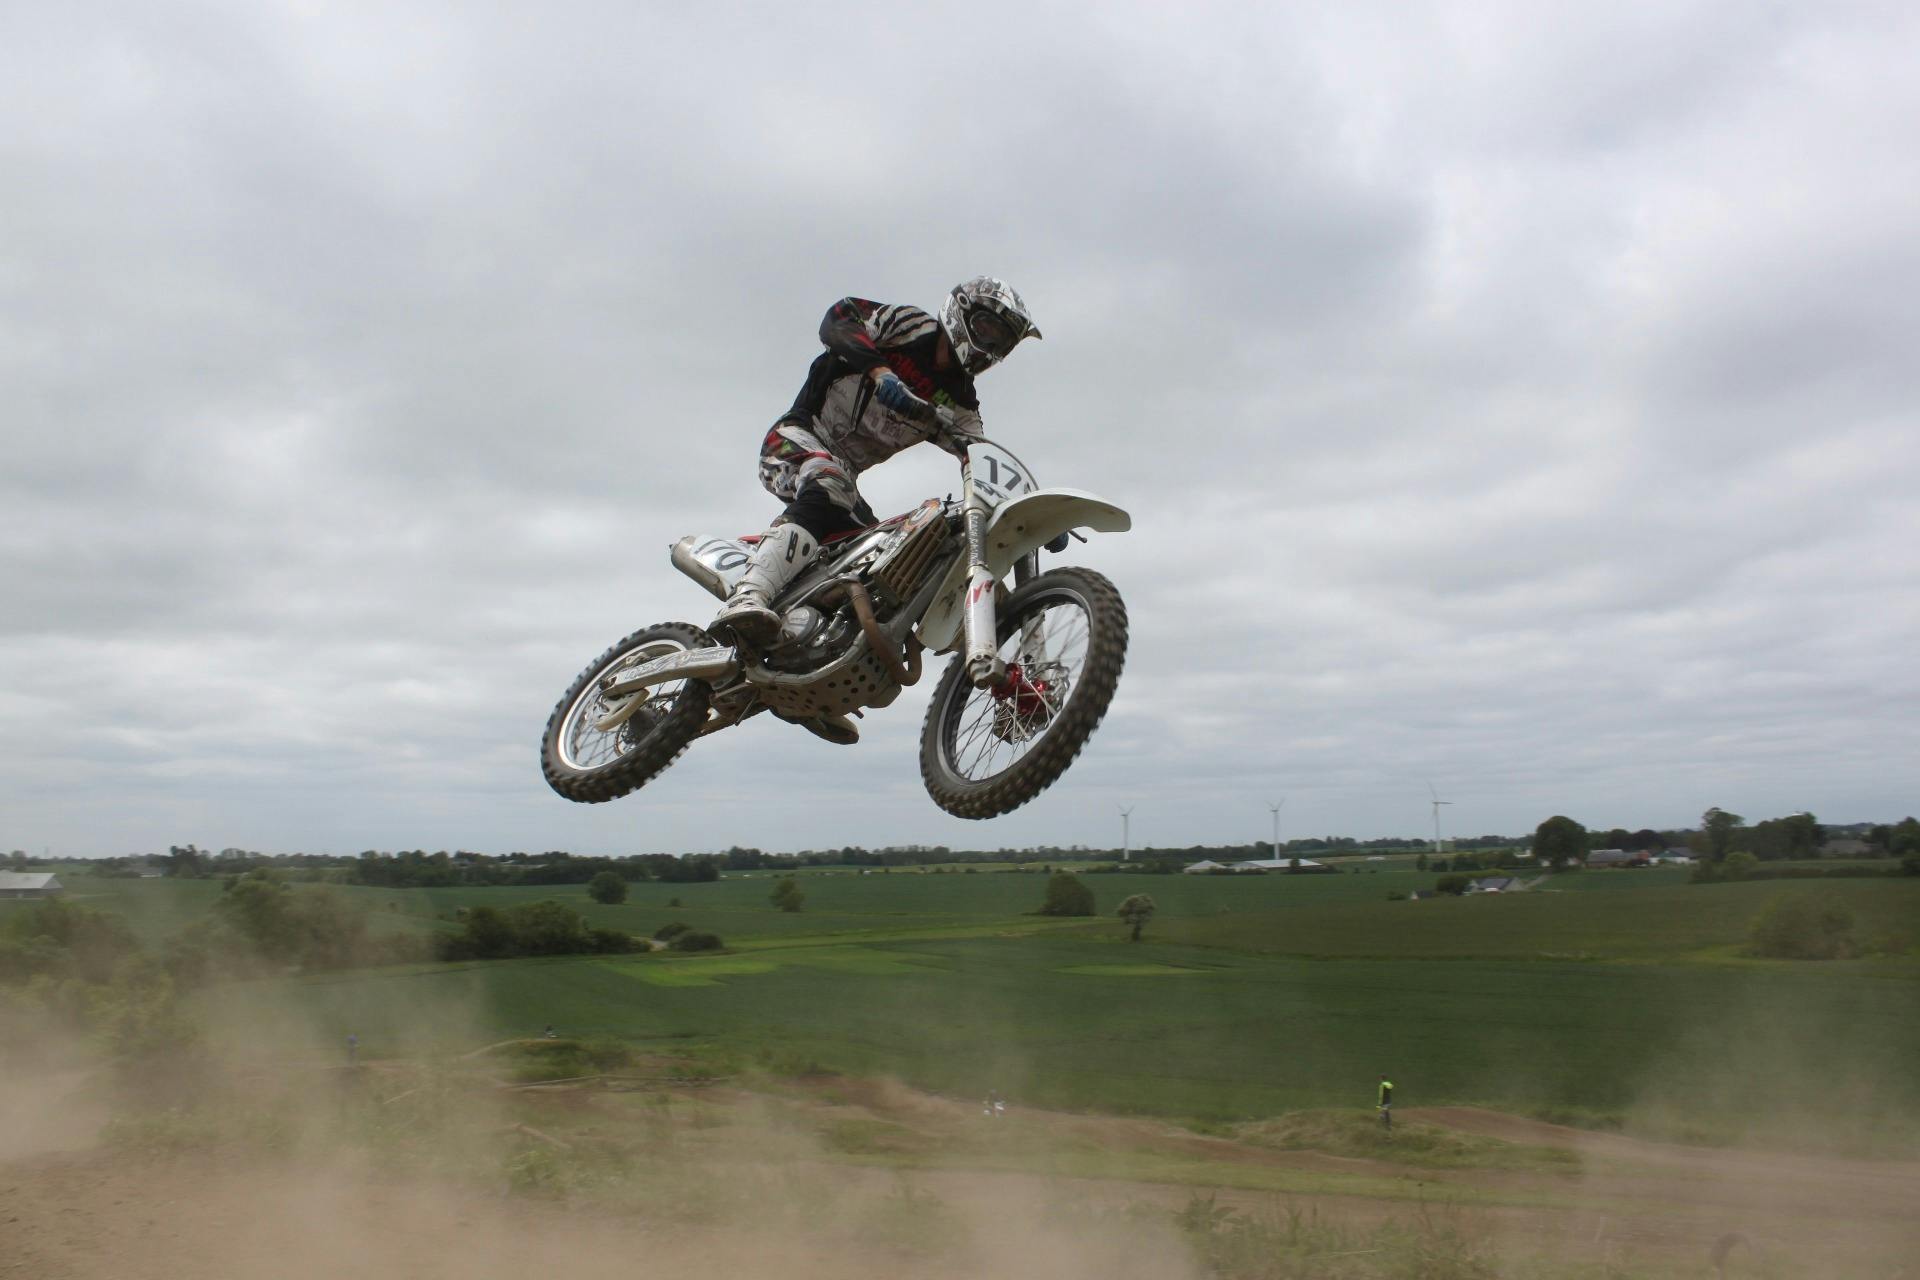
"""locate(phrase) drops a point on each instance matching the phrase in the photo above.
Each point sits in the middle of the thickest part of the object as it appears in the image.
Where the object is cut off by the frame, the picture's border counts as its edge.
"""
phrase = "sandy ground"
(88, 1214)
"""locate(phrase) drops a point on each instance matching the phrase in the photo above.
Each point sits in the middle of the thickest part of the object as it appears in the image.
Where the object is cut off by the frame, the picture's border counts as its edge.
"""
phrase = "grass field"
(1614, 995)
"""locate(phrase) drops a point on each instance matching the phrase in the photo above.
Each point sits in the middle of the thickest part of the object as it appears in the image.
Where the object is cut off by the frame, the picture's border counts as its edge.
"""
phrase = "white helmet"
(985, 319)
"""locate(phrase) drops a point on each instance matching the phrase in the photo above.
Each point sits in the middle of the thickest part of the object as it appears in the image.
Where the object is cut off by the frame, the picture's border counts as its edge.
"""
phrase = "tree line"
(1721, 835)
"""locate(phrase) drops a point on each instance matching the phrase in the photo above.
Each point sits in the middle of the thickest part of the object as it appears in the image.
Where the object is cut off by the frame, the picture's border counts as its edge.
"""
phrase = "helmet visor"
(994, 333)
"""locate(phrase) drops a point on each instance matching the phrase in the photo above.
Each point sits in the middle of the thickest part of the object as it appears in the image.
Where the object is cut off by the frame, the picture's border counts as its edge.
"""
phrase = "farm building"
(1205, 868)
(1493, 884)
(28, 884)
(1304, 866)
(1618, 858)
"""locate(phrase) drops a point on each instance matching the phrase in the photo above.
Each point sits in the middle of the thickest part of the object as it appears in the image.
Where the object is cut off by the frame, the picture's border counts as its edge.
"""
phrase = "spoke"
(991, 735)
(590, 748)
(982, 725)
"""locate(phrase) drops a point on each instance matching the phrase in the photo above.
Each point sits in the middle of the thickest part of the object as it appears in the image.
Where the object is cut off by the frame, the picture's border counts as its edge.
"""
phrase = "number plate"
(997, 475)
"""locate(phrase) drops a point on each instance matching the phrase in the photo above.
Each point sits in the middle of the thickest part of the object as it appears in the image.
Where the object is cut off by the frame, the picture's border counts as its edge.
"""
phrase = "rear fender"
(1014, 529)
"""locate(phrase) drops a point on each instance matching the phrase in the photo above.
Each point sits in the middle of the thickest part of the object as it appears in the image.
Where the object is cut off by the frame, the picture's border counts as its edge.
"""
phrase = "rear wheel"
(985, 752)
(597, 749)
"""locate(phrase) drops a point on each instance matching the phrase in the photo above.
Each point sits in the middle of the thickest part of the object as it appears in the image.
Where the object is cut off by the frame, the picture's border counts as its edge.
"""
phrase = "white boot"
(782, 553)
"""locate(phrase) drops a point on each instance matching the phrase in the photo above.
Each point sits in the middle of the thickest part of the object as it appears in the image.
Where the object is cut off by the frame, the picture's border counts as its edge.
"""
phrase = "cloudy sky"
(1519, 397)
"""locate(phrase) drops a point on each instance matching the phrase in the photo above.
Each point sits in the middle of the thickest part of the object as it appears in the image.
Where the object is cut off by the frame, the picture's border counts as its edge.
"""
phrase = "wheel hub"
(1021, 708)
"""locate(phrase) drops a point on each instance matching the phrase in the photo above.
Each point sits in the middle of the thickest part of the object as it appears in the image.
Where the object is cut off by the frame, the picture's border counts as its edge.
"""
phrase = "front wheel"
(985, 752)
(597, 749)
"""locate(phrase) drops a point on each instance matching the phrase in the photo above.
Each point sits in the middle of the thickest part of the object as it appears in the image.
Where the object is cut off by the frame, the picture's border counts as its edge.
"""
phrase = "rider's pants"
(819, 489)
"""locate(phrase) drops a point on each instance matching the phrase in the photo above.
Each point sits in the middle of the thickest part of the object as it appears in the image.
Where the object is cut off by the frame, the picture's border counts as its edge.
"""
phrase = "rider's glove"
(895, 395)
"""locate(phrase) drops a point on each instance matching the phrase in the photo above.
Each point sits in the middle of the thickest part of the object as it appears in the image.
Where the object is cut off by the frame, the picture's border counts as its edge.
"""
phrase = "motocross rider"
(869, 395)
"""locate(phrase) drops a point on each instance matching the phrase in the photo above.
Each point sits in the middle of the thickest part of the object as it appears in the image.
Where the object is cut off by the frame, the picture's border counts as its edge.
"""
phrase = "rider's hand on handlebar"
(895, 395)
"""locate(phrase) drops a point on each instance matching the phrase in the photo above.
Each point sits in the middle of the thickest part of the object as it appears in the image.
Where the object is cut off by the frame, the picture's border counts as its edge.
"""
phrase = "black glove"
(1059, 544)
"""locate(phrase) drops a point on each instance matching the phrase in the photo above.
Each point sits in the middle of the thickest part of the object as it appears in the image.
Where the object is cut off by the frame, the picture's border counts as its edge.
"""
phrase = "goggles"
(994, 333)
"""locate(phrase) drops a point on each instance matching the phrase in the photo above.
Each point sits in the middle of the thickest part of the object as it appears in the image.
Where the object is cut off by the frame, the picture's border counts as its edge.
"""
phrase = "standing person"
(1386, 1103)
(870, 394)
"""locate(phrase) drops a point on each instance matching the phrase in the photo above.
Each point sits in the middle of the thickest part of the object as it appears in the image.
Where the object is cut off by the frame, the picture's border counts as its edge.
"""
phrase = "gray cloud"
(1510, 396)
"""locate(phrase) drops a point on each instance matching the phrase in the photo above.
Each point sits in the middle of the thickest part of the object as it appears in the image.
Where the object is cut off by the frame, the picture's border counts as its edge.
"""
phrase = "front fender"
(1014, 529)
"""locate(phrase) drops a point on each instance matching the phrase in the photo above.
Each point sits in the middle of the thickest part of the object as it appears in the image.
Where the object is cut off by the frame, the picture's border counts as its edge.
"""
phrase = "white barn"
(29, 884)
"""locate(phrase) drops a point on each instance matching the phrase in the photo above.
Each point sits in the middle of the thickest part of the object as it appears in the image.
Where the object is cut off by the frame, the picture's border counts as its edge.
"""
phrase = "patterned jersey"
(836, 403)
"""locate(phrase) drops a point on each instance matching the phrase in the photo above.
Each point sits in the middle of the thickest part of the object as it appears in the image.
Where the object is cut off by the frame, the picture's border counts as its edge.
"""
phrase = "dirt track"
(93, 1215)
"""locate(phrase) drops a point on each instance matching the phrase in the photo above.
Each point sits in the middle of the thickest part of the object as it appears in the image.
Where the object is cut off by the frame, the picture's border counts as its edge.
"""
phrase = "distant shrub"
(535, 929)
(1067, 896)
(609, 942)
(695, 940)
(1910, 865)
(607, 888)
(668, 932)
(787, 894)
(1738, 865)
(1804, 926)
(1453, 884)
(1396, 895)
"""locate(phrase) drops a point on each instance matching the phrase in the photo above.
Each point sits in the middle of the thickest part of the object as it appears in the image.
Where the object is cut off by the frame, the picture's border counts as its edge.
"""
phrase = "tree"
(607, 888)
(312, 927)
(489, 933)
(548, 929)
(1718, 826)
(1420, 863)
(1647, 840)
(1804, 835)
(1558, 841)
(1136, 911)
(186, 862)
(787, 894)
(1904, 839)
(1067, 896)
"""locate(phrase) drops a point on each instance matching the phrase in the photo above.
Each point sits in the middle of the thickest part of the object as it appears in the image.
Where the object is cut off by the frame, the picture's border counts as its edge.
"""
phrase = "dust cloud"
(265, 1149)
(268, 1149)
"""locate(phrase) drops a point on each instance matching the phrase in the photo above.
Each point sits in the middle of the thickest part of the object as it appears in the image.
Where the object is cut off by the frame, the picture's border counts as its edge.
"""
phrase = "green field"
(1610, 995)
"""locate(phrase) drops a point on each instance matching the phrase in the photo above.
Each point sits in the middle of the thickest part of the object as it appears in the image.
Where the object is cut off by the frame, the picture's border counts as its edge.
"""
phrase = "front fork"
(985, 670)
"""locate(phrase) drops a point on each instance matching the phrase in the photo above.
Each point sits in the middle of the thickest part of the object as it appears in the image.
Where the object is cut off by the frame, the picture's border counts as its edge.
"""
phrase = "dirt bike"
(1032, 672)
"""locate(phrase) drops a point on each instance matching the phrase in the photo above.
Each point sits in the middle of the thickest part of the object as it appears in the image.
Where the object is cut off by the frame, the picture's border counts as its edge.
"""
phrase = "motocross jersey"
(836, 402)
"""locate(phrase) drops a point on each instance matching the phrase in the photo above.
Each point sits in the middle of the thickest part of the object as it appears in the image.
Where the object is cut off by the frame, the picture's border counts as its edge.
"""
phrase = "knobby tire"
(1086, 705)
(661, 746)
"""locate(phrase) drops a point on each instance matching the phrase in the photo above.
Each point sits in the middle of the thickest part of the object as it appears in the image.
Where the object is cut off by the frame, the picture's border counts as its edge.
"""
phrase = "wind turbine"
(1437, 802)
(1275, 810)
(1126, 834)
